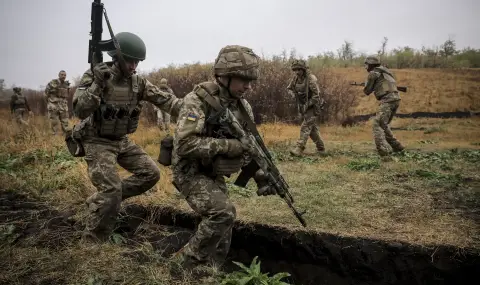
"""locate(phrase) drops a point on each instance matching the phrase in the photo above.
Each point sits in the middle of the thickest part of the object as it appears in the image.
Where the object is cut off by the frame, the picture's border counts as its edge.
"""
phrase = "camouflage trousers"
(21, 116)
(58, 112)
(163, 120)
(309, 129)
(208, 197)
(102, 157)
(383, 136)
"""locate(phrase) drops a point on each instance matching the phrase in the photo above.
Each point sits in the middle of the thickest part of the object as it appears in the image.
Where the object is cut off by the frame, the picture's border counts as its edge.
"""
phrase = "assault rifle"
(96, 45)
(261, 158)
(399, 88)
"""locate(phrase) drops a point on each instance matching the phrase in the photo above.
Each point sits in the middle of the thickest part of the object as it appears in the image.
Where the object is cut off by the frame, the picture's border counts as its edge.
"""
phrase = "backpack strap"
(206, 90)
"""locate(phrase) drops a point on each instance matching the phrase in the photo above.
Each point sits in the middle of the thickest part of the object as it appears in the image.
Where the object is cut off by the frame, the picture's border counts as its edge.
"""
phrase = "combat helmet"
(17, 89)
(238, 61)
(131, 45)
(163, 81)
(299, 64)
(372, 60)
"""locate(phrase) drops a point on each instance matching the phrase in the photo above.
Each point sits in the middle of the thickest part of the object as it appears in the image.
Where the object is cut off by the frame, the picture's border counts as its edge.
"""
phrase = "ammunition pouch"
(73, 139)
(166, 149)
(223, 165)
(113, 121)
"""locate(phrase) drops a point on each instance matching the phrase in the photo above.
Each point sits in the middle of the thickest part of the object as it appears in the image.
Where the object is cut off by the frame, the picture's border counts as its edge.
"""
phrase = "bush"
(269, 98)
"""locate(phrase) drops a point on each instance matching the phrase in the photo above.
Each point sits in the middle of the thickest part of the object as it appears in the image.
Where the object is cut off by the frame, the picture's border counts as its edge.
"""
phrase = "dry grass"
(339, 199)
(420, 198)
(429, 90)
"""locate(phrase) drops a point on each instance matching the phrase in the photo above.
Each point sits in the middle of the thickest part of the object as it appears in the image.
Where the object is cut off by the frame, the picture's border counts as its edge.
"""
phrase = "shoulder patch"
(192, 117)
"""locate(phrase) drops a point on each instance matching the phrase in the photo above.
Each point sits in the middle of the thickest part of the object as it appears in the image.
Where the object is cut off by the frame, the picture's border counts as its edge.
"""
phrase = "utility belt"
(19, 106)
(222, 165)
(116, 121)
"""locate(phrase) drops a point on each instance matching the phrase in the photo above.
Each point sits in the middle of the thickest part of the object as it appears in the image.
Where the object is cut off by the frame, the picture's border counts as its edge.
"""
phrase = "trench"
(313, 258)
(310, 258)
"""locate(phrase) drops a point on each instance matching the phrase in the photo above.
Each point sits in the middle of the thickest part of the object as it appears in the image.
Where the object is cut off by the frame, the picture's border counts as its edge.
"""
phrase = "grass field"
(429, 90)
(428, 196)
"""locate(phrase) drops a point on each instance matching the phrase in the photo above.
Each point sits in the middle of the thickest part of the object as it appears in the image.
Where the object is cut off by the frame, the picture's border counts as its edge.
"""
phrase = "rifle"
(399, 88)
(261, 158)
(96, 45)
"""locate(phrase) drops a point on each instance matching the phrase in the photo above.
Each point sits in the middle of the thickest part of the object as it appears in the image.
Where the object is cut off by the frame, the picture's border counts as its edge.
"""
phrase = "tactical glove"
(235, 148)
(101, 73)
(264, 187)
(266, 190)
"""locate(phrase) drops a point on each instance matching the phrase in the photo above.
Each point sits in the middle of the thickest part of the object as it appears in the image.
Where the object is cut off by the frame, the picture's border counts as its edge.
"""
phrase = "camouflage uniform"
(163, 118)
(309, 104)
(199, 142)
(19, 107)
(381, 81)
(56, 94)
(106, 146)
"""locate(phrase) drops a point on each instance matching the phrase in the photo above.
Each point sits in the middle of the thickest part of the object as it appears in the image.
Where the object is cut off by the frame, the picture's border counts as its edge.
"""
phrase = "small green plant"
(95, 280)
(117, 239)
(253, 276)
(433, 130)
(363, 164)
(7, 233)
(432, 175)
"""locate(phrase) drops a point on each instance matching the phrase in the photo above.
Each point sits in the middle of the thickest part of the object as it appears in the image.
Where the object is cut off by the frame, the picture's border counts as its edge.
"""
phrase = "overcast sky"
(40, 37)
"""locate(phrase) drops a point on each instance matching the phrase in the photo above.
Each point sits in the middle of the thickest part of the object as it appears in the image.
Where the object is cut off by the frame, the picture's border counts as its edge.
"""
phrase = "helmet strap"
(226, 87)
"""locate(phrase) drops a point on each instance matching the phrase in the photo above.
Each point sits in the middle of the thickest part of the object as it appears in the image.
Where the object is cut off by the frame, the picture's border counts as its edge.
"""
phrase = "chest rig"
(385, 84)
(214, 127)
(19, 101)
(61, 91)
(301, 88)
(119, 111)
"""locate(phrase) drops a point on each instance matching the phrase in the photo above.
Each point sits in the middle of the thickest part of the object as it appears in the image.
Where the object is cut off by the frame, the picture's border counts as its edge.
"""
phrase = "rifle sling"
(249, 170)
(202, 93)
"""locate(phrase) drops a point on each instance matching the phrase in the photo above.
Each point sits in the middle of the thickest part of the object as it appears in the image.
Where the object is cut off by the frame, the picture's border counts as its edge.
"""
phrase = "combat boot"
(296, 151)
(398, 148)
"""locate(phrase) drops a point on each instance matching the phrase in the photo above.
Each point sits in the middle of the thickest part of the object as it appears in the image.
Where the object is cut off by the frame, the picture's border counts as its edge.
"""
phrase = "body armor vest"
(301, 90)
(19, 102)
(214, 128)
(385, 85)
(119, 112)
(60, 93)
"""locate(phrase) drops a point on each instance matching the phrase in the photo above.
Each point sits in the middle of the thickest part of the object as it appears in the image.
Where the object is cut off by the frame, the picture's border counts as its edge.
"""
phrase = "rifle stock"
(96, 45)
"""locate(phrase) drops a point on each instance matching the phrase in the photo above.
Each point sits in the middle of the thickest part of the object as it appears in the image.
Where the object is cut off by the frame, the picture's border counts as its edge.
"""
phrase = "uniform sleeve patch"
(192, 117)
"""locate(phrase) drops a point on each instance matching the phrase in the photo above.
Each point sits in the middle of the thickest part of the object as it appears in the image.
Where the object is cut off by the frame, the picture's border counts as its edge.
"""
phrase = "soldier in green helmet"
(108, 101)
(204, 153)
(19, 107)
(304, 88)
(381, 81)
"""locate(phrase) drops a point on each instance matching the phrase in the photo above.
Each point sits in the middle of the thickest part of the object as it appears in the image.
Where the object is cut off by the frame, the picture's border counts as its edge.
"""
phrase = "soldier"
(304, 88)
(163, 118)
(108, 101)
(381, 81)
(204, 152)
(19, 107)
(56, 94)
